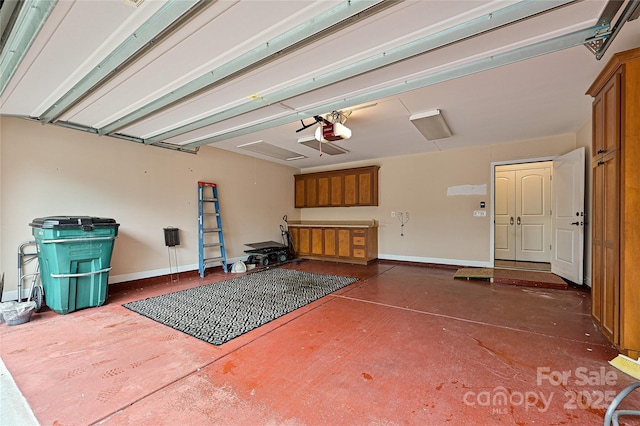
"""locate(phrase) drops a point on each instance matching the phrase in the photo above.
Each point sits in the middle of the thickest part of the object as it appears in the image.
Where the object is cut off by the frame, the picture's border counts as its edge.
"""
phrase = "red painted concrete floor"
(404, 345)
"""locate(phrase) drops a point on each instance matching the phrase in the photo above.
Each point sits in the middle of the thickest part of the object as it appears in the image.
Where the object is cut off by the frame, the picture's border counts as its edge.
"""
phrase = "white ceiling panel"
(211, 39)
(72, 41)
(325, 56)
(254, 117)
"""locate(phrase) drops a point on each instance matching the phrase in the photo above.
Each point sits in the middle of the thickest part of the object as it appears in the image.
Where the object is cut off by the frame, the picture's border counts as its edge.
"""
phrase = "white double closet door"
(523, 229)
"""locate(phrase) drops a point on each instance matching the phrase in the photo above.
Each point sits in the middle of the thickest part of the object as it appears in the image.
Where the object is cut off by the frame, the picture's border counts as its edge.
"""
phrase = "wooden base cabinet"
(616, 201)
(349, 242)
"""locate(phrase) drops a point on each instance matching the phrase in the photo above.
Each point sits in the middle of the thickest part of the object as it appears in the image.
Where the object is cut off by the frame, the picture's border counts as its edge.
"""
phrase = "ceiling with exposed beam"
(258, 77)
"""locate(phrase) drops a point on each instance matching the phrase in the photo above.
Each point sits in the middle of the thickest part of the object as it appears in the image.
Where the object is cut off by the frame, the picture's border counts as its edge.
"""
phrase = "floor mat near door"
(512, 276)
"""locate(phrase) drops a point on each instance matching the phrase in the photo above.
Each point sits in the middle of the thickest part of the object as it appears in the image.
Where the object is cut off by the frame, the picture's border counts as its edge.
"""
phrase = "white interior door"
(533, 213)
(567, 258)
(505, 215)
(522, 230)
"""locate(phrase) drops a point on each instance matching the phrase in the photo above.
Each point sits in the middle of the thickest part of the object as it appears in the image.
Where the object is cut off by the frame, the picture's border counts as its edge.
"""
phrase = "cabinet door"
(350, 189)
(610, 238)
(300, 198)
(337, 190)
(606, 118)
(311, 191)
(330, 247)
(304, 244)
(365, 188)
(344, 242)
(611, 124)
(597, 127)
(317, 241)
(606, 277)
(597, 266)
(324, 188)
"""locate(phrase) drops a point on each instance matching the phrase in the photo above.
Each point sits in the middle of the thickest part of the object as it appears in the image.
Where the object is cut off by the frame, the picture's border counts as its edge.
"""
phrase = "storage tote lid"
(72, 222)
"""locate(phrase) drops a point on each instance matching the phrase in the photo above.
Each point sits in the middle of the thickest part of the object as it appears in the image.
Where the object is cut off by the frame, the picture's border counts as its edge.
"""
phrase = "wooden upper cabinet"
(338, 188)
(606, 117)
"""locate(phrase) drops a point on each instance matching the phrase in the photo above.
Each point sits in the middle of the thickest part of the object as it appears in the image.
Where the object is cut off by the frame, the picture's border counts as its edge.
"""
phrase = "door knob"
(518, 220)
(511, 220)
(577, 223)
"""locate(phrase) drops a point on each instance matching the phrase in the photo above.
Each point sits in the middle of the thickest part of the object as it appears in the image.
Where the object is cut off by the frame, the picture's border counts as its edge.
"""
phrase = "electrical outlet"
(479, 213)
(393, 214)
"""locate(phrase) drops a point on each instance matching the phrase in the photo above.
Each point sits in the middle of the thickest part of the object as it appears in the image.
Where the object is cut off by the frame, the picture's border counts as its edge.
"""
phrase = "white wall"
(48, 170)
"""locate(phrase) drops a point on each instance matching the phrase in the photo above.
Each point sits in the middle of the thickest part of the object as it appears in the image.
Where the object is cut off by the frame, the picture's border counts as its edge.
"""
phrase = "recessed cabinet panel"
(323, 191)
(337, 192)
(311, 190)
(300, 198)
(344, 243)
(330, 242)
(316, 241)
(350, 190)
(304, 246)
(365, 190)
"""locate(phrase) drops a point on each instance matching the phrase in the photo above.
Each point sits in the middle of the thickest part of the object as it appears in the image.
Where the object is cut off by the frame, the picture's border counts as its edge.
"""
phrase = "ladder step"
(213, 259)
(210, 200)
(211, 214)
(212, 230)
(212, 245)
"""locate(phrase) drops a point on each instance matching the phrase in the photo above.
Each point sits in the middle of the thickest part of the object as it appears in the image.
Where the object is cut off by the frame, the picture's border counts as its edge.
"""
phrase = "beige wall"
(441, 228)
(48, 170)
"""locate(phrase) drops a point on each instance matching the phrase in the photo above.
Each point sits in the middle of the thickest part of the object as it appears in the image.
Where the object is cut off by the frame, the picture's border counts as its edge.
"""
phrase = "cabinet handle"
(602, 151)
(600, 163)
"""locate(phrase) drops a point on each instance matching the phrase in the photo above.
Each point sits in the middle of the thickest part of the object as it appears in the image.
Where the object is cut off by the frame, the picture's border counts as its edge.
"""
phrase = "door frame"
(492, 236)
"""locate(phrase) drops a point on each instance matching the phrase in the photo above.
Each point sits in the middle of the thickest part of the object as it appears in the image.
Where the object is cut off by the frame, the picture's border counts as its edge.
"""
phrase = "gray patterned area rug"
(219, 312)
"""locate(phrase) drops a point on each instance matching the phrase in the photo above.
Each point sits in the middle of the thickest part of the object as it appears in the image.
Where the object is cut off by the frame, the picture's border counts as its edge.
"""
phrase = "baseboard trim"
(437, 261)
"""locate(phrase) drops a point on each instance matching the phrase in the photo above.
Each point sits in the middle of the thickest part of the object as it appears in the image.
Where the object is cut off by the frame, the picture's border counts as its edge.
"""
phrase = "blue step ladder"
(210, 238)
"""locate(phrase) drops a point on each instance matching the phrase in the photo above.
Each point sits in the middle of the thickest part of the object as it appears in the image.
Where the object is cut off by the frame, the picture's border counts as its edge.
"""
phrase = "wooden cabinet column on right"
(616, 201)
